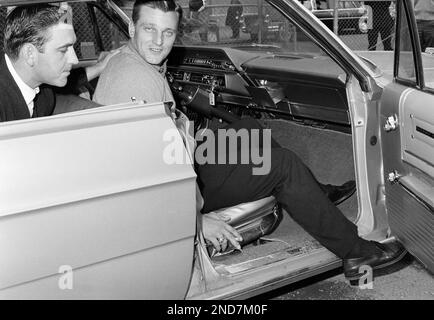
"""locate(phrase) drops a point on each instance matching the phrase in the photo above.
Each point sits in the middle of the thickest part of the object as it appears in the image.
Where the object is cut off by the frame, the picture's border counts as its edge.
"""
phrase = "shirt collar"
(28, 93)
(163, 68)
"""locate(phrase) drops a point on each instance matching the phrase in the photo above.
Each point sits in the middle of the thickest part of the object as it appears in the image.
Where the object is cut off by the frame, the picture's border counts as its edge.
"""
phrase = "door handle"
(393, 177)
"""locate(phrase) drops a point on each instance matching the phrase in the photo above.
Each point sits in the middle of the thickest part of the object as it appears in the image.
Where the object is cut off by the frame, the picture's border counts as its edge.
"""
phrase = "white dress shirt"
(28, 93)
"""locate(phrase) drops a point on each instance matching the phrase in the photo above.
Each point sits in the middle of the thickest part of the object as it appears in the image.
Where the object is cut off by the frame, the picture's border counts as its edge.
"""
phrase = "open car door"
(91, 209)
(407, 111)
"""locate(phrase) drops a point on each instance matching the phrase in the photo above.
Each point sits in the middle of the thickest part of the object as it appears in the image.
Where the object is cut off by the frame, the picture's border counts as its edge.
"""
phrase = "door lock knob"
(391, 123)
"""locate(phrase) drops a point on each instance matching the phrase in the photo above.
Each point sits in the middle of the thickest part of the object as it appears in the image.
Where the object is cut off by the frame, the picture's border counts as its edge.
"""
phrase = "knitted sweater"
(128, 76)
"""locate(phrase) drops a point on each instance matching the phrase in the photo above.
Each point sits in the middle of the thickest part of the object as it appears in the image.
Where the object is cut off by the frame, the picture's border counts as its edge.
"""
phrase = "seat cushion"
(248, 211)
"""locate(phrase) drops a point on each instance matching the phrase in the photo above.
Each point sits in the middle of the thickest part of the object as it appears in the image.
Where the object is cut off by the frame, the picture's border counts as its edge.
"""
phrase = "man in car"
(39, 54)
(139, 72)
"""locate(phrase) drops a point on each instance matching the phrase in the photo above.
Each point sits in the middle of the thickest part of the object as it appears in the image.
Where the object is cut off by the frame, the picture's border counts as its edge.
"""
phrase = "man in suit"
(153, 33)
(200, 12)
(233, 17)
(39, 54)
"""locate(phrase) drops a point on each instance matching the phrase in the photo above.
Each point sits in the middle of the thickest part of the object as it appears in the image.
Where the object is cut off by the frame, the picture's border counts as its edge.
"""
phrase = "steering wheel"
(197, 99)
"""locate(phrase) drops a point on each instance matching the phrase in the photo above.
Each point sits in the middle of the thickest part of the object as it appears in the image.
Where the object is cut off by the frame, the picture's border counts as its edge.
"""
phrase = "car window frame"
(92, 6)
(403, 6)
(419, 84)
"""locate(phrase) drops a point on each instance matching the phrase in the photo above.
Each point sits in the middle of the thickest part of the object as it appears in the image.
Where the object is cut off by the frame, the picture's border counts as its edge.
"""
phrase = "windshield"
(251, 25)
(255, 25)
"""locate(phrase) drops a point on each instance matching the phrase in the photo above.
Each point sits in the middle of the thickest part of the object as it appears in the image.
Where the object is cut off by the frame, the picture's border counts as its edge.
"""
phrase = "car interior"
(273, 83)
(290, 86)
(275, 89)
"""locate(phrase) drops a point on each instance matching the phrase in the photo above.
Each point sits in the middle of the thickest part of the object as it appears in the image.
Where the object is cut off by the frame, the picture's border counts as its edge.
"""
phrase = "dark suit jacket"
(234, 14)
(14, 107)
(12, 103)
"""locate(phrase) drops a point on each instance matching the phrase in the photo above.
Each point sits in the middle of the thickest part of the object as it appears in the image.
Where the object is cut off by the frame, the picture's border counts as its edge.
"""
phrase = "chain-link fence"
(3, 12)
(362, 25)
(95, 32)
(381, 31)
(227, 21)
(371, 29)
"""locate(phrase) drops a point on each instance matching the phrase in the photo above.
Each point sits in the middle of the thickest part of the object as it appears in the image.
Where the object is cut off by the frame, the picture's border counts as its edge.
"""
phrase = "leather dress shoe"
(388, 254)
(338, 194)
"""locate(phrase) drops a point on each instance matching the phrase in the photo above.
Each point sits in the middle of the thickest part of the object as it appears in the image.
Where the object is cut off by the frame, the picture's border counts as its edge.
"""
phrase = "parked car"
(90, 208)
(352, 18)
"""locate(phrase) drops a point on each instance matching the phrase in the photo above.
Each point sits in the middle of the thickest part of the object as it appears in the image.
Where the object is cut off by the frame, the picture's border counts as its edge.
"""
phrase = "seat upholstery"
(251, 219)
(245, 212)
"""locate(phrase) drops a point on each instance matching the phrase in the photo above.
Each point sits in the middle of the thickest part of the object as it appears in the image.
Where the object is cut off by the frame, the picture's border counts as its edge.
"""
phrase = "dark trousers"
(382, 24)
(425, 30)
(291, 183)
(235, 30)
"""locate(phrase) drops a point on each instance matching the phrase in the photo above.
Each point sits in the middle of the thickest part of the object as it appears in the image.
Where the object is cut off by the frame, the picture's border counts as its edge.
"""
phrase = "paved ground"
(410, 282)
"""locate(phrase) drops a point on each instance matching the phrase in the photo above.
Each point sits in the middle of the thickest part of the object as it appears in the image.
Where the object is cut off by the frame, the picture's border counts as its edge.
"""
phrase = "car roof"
(4, 3)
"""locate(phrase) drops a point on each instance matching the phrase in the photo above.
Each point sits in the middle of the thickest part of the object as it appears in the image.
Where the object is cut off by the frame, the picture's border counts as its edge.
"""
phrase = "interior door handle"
(425, 132)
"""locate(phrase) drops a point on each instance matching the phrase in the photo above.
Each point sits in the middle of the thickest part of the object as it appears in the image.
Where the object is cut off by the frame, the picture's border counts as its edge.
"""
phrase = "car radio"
(197, 78)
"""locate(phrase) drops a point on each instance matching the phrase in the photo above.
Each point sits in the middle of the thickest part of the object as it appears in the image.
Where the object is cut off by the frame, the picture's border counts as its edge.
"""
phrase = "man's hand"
(218, 232)
(104, 57)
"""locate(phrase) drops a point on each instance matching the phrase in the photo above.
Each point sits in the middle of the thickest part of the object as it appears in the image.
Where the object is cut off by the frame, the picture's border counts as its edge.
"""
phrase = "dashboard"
(287, 86)
(209, 68)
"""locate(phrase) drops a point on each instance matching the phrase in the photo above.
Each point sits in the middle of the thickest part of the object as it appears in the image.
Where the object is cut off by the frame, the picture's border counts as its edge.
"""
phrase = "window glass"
(86, 46)
(111, 36)
(428, 69)
(245, 25)
(237, 22)
(406, 66)
(3, 11)
(248, 25)
(425, 26)
(89, 43)
(361, 25)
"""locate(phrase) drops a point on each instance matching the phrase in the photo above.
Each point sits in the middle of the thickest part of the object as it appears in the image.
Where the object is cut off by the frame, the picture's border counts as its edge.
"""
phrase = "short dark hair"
(165, 6)
(28, 24)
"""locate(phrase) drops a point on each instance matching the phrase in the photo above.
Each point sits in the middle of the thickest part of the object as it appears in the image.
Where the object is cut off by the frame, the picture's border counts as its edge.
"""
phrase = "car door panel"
(90, 190)
(408, 154)
(411, 222)
(126, 277)
(408, 144)
(418, 130)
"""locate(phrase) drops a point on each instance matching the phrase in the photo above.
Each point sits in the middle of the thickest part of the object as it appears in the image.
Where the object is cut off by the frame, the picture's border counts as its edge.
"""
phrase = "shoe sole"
(382, 266)
(347, 196)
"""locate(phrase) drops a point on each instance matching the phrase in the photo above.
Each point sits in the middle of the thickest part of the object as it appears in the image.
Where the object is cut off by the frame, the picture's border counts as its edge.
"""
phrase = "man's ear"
(29, 54)
(131, 29)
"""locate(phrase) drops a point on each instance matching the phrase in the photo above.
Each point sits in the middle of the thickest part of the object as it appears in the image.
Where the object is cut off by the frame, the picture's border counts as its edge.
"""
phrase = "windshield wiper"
(259, 46)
